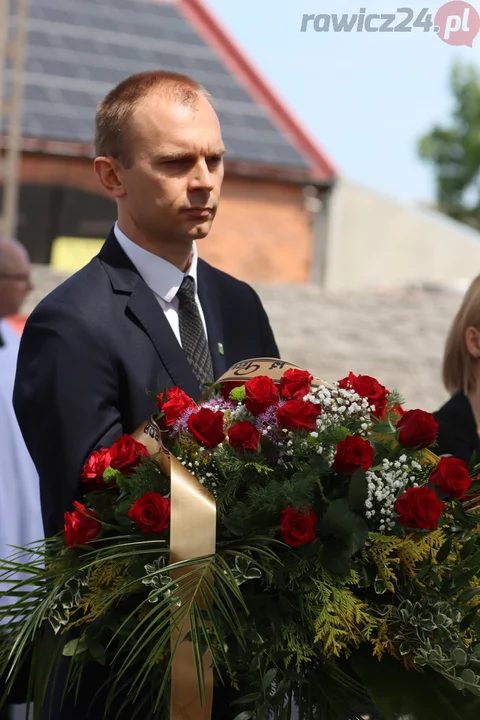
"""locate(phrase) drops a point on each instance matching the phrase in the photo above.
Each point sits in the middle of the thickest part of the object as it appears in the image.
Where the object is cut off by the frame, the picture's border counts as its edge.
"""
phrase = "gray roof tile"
(79, 49)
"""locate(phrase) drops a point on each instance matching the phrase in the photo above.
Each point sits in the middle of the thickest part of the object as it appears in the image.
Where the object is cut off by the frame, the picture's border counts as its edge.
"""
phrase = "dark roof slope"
(79, 49)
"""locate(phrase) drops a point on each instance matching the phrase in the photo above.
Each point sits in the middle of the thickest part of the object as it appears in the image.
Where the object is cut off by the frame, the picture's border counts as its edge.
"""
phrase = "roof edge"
(245, 70)
(276, 173)
(241, 168)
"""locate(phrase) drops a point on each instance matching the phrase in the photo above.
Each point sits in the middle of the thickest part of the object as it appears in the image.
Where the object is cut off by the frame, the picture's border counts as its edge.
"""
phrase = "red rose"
(368, 387)
(260, 393)
(80, 526)
(151, 512)
(295, 384)
(451, 476)
(298, 415)
(352, 454)
(126, 454)
(419, 508)
(174, 404)
(418, 429)
(298, 528)
(243, 436)
(95, 466)
(206, 427)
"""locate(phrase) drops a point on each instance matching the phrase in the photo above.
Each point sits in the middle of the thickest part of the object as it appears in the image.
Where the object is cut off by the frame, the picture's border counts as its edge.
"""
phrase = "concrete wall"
(374, 242)
(397, 336)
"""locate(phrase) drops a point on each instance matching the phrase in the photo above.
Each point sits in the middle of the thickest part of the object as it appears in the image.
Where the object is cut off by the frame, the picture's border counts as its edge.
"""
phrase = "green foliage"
(286, 612)
(453, 150)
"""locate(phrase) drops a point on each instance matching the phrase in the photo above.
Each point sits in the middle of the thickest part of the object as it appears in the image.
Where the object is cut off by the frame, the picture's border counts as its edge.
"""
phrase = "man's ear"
(472, 341)
(109, 174)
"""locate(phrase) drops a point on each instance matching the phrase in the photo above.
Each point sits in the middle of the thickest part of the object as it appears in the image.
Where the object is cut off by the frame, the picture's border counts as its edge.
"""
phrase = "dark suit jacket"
(457, 433)
(88, 353)
(93, 346)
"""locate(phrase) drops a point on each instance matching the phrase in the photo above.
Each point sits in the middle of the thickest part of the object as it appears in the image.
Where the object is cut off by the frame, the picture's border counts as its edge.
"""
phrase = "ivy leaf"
(444, 551)
(469, 547)
(473, 463)
(460, 514)
(468, 619)
(382, 428)
(75, 647)
(341, 522)
(268, 678)
(358, 491)
(469, 676)
(253, 697)
(468, 595)
(460, 657)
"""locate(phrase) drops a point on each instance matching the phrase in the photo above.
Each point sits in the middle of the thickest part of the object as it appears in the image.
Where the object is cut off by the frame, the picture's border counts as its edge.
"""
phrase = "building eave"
(233, 167)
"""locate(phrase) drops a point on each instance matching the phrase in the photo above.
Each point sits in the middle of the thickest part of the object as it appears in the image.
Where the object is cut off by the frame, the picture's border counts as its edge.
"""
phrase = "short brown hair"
(112, 120)
(459, 373)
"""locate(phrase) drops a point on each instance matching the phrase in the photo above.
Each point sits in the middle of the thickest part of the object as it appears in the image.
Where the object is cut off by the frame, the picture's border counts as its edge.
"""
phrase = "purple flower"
(268, 419)
(181, 424)
(219, 404)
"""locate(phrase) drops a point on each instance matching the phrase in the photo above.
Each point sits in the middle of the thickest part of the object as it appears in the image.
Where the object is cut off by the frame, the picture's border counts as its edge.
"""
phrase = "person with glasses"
(20, 513)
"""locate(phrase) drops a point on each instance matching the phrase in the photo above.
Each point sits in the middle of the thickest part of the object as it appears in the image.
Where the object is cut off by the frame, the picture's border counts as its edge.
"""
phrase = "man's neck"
(178, 254)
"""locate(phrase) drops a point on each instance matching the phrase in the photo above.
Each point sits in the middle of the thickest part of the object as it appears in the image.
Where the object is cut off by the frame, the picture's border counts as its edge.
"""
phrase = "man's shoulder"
(224, 281)
(79, 291)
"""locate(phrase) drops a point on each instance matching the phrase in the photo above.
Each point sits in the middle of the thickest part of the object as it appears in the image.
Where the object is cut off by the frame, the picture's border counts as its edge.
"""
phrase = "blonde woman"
(459, 417)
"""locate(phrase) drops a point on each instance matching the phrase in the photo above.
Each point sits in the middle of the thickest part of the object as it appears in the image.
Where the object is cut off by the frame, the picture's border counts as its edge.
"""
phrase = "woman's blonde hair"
(459, 371)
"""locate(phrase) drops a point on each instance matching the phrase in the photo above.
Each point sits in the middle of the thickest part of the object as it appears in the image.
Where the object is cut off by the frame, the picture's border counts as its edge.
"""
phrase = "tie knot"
(186, 291)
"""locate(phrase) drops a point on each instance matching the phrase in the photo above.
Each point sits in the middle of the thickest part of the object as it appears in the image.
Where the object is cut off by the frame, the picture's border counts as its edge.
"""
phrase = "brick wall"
(261, 232)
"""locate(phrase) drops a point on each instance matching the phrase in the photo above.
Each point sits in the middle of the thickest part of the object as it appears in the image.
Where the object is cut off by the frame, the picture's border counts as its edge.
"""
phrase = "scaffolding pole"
(13, 45)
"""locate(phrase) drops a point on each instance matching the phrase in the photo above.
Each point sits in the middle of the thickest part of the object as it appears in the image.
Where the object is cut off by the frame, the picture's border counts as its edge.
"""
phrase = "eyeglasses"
(12, 276)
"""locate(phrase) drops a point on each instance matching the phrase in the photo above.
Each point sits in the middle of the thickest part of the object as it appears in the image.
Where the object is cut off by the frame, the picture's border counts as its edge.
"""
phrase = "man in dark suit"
(146, 312)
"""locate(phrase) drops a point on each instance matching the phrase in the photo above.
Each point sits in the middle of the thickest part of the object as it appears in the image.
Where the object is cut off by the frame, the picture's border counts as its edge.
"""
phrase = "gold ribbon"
(193, 535)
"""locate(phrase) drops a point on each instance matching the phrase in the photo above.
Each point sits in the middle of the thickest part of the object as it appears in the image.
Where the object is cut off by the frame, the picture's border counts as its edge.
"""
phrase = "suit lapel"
(143, 308)
(210, 303)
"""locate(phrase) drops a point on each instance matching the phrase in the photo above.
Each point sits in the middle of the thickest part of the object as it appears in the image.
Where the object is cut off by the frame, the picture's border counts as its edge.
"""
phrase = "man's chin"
(200, 230)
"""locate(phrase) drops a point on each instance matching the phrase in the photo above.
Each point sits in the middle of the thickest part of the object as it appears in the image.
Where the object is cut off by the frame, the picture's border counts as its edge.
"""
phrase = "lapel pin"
(221, 349)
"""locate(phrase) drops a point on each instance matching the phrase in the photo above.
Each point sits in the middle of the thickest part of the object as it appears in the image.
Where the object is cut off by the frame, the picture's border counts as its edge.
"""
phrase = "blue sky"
(365, 98)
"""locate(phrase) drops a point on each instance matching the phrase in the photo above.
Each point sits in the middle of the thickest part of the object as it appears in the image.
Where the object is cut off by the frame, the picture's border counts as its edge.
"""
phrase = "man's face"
(172, 189)
(15, 283)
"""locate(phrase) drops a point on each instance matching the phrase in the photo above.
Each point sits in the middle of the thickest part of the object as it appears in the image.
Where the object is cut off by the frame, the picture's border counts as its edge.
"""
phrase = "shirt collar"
(161, 276)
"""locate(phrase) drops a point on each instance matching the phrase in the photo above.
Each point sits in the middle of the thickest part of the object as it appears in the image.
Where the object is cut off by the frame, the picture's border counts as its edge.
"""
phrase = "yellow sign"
(71, 253)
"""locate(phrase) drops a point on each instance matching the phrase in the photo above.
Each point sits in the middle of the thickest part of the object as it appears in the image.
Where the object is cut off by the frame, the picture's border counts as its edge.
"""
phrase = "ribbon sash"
(192, 535)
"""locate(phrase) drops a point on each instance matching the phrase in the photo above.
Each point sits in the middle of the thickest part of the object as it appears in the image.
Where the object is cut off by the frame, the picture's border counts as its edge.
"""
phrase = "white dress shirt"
(20, 510)
(163, 278)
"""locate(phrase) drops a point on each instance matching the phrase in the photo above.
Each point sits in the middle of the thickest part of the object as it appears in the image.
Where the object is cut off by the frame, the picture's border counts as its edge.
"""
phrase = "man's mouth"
(199, 211)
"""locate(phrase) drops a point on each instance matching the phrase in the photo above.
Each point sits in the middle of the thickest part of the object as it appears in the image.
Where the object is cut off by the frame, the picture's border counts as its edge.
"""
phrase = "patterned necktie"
(192, 333)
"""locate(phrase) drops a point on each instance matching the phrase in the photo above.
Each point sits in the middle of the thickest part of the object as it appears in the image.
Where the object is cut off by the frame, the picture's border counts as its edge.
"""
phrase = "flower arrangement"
(346, 561)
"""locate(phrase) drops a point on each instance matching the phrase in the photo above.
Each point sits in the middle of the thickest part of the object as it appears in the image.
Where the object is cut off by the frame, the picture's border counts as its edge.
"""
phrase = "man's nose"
(201, 177)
